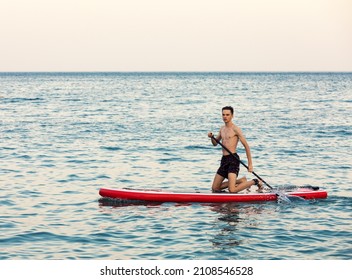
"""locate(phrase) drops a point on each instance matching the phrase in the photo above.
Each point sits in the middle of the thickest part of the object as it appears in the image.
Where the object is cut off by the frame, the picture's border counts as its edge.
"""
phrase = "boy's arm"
(246, 146)
(218, 137)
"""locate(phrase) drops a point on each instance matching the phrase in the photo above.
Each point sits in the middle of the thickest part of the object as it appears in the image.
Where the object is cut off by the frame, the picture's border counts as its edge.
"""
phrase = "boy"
(229, 168)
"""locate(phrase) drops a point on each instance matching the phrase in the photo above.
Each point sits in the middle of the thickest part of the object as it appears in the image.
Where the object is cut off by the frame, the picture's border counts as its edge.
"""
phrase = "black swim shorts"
(229, 164)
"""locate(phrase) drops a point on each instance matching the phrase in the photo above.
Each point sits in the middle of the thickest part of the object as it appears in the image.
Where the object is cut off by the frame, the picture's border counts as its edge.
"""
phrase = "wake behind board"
(166, 196)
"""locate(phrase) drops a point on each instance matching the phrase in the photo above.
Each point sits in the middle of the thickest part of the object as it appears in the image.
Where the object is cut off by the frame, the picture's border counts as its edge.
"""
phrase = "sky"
(175, 35)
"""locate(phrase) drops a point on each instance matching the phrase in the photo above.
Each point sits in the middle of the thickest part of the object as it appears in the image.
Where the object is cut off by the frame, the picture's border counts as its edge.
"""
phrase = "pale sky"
(175, 35)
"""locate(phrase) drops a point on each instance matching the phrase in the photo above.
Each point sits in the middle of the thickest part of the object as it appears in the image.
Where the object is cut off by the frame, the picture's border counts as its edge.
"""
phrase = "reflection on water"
(105, 201)
(232, 218)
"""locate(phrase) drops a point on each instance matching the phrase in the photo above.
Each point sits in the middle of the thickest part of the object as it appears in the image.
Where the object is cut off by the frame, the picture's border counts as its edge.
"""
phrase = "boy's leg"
(225, 185)
(218, 179)
(241, 186)
(232, 183)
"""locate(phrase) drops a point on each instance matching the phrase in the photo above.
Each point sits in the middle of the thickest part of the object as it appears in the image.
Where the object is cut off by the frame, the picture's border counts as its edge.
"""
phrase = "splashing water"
(282, 197)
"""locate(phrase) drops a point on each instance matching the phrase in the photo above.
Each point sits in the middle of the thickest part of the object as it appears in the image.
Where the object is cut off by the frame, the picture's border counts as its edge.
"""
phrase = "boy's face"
(226, 116)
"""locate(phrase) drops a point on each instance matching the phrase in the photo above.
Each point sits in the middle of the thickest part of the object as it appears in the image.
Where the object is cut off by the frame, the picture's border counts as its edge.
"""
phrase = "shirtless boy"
(229, 168)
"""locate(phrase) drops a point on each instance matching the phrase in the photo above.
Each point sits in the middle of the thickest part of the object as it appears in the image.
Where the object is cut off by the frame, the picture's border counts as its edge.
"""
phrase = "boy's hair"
(228, 108)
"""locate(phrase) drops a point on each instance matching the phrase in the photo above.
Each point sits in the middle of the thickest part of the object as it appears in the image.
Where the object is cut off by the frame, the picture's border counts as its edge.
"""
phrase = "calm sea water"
(65, 135)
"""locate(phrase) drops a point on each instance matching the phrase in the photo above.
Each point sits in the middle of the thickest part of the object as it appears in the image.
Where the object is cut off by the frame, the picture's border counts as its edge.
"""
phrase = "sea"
(63, 136)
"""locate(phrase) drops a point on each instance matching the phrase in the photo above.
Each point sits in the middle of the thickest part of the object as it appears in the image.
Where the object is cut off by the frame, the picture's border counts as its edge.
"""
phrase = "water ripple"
(65, 135)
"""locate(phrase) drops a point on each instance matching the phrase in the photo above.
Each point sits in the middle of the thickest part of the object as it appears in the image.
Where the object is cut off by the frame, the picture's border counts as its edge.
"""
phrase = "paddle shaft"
(226, 149)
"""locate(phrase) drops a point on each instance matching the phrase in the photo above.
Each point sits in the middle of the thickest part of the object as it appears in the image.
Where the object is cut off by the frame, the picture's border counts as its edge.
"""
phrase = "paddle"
(226, 149)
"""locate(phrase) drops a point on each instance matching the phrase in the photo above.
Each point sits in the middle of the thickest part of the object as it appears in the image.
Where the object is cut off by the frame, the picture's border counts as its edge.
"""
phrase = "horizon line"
(181, 71)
